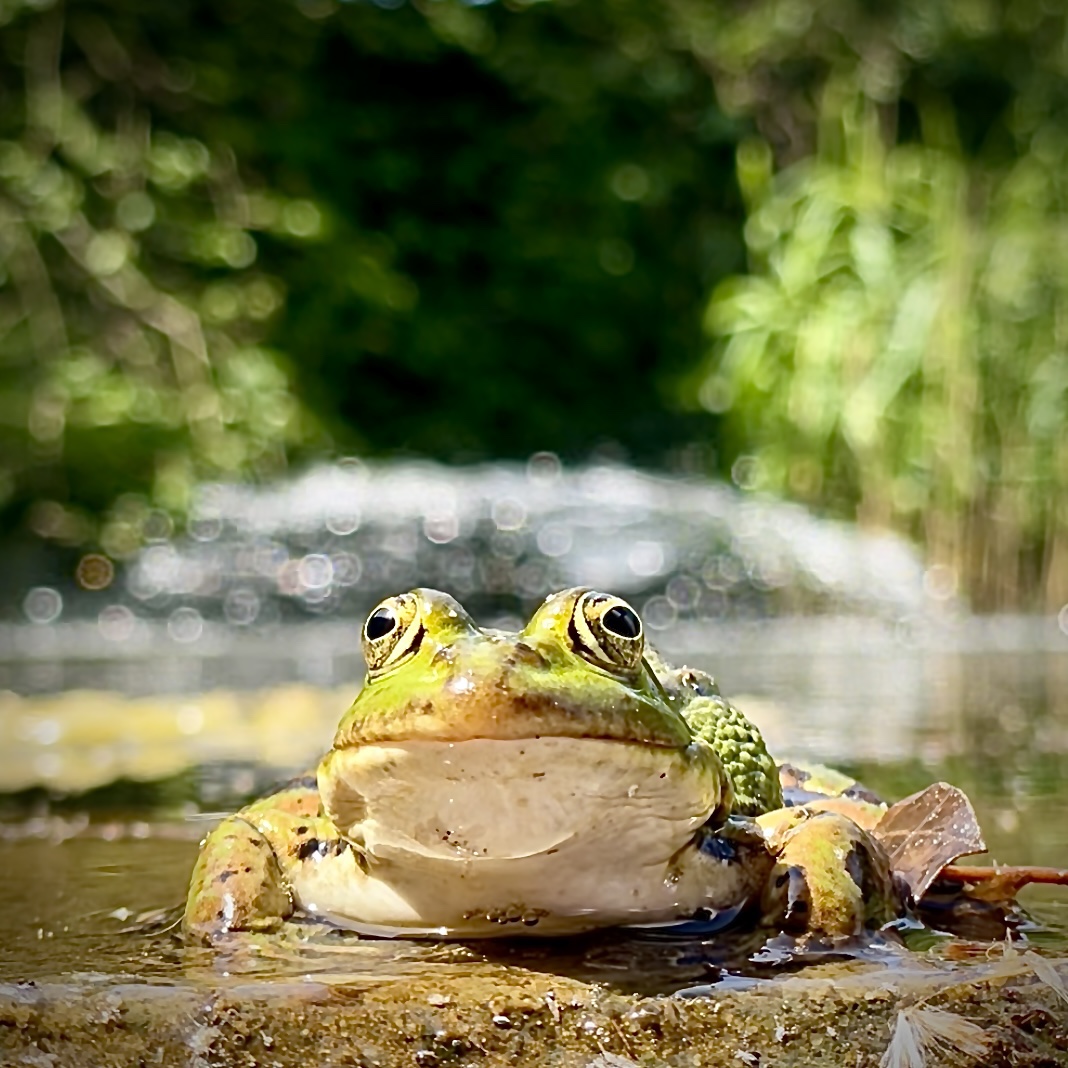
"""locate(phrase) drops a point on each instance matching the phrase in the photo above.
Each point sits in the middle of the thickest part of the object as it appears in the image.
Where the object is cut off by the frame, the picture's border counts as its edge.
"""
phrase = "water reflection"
(78, 916)
(987, 714)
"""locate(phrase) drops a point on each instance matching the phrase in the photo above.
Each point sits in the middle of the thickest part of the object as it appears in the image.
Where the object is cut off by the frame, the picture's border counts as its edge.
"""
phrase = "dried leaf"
(1047, 974)
(925, 832)
(920, 1032)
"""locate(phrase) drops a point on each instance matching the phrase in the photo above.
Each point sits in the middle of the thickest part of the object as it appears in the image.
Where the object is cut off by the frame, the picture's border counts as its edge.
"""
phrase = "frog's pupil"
(380, 623)
(622, 621)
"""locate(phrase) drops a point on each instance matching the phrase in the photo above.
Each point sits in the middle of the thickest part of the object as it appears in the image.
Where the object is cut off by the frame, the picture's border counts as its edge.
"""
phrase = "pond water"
(981, 704)
(210, 666)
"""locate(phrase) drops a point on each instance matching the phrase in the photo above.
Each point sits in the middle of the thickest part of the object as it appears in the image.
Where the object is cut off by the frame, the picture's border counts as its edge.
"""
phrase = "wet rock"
(848, 1018)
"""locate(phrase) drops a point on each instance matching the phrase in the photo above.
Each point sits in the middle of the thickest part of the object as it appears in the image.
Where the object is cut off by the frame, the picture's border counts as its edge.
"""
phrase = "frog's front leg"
(237, 884)
(241, 878)
(831, 879)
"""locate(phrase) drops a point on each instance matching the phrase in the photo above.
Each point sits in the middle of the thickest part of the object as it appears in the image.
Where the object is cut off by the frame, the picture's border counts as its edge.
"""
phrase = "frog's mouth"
(484, 800)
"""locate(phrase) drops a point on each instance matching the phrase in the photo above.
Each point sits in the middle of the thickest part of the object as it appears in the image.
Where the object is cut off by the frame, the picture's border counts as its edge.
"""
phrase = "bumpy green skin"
(737, 742)
(741, 748)
(831, 878)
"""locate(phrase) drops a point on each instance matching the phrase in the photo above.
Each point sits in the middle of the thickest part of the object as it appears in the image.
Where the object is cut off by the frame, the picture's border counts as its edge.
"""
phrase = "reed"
(897, 351)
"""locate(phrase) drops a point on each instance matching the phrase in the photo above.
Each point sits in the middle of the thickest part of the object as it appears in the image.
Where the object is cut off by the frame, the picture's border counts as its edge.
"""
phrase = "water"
(981, 705)
(71, 917)
(210, 665)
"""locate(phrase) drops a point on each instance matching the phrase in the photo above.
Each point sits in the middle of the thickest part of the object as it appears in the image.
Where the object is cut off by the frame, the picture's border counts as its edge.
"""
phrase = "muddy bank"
(1004, 1013)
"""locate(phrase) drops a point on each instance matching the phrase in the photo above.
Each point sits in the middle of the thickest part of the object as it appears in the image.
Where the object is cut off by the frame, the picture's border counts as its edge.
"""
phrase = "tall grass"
(898, 350)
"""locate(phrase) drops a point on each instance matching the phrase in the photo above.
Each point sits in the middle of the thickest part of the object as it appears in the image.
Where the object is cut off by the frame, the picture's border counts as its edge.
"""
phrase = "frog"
(549, 781)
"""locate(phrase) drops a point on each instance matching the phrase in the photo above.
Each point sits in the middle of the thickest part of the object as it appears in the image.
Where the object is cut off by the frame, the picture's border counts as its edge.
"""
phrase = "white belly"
(542, 836)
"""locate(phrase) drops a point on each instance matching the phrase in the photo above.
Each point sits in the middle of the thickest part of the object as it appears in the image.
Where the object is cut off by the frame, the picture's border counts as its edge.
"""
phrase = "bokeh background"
(816, 248)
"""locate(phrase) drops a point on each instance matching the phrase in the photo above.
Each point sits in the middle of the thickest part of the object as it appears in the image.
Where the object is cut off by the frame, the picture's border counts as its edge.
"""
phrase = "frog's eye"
(607, 631)
(392, 633)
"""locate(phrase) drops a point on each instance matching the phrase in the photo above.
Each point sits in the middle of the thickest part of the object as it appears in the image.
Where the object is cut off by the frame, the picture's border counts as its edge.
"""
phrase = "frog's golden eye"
(607, 631)
(392, 633)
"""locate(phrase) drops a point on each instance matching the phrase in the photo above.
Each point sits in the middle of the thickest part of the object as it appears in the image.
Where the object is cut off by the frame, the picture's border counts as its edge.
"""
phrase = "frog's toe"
(831, 877)
(237, 884)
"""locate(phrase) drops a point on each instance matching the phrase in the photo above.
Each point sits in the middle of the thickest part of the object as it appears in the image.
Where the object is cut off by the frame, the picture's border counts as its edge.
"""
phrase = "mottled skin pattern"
(238, 882)
(578, 671)
(831, 875)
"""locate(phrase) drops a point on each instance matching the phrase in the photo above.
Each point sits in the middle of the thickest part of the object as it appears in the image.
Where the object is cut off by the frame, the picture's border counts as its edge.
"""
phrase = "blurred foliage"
(899, 347)
(234, 233)
(526, 209)
(491, 231)
(132, 314)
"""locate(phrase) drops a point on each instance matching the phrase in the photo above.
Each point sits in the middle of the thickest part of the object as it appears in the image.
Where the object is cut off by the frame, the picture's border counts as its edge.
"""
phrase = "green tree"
(454, 230)
(133, 311)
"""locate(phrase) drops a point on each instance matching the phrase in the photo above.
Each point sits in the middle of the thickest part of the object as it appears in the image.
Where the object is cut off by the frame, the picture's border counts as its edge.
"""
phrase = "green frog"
(546, 782)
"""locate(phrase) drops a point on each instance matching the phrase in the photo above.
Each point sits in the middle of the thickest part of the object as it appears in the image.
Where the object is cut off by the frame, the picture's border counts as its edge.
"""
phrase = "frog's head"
(472, 744)
(576, 671)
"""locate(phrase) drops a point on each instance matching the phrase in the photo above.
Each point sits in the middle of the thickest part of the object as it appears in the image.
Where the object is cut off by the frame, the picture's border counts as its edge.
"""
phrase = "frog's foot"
(831, 879)
(237, 884)
(735, 863)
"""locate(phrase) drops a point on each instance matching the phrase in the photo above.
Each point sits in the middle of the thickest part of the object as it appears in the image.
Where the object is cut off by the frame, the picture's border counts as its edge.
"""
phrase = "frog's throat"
(499, 800)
